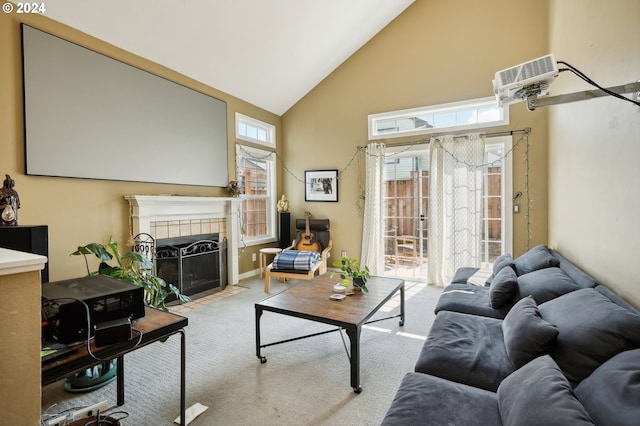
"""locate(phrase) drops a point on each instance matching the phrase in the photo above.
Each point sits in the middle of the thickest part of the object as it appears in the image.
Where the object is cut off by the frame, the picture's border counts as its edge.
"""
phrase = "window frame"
(269, 129)
(468, 105)
(269, 158)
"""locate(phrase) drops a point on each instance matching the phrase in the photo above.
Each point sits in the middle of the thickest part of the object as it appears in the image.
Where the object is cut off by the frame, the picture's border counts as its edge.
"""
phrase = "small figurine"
(233, 189)
(283, 204)
(9, 203)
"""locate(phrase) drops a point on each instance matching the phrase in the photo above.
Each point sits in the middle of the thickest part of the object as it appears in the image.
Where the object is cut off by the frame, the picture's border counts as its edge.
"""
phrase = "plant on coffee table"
(351, 268)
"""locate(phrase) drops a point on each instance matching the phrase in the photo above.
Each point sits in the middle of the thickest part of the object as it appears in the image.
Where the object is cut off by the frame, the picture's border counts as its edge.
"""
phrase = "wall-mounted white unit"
(511, 84)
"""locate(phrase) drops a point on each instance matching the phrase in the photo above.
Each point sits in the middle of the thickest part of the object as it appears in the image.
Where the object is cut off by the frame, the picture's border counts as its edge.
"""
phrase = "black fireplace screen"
(193, 266)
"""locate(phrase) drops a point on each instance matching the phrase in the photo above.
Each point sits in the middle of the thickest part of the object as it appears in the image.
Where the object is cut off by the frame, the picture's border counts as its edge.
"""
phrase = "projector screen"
(90, 116)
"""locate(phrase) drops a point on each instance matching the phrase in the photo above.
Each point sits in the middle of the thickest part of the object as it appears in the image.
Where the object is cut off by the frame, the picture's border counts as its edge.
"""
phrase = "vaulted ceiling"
(269, 53)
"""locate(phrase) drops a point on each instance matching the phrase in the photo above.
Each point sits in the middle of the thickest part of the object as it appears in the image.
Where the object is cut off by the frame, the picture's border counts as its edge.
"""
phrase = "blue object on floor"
(92, 378)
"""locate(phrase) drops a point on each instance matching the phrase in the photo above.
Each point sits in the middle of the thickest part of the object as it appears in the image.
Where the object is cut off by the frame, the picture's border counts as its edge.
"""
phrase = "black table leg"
(258, 348)
(183, 367)
(120, 380)
(354, 338)
(402, 304)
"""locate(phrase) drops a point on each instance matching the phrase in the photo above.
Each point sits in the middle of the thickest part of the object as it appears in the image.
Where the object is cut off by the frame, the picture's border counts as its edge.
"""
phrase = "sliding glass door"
(406, 207)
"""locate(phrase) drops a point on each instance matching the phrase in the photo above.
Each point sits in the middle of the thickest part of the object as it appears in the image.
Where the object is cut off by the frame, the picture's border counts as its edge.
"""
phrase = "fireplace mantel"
(145, 209)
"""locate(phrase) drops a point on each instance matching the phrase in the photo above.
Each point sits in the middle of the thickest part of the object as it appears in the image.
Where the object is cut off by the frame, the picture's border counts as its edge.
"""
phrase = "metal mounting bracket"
(534, 102)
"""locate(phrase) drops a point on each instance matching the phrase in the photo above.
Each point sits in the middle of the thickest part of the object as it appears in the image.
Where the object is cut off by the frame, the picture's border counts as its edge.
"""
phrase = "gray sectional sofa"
(539, 342)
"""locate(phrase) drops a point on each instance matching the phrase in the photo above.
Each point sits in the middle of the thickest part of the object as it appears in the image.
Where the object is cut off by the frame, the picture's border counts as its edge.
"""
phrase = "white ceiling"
(267, 52)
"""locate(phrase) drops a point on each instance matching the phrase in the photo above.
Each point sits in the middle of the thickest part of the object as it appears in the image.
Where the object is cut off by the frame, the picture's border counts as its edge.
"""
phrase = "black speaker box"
(284, 229)
(29, 239)
(68, 304)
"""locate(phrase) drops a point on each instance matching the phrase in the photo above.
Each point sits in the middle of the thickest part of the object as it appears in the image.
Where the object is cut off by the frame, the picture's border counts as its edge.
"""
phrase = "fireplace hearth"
(193, 264)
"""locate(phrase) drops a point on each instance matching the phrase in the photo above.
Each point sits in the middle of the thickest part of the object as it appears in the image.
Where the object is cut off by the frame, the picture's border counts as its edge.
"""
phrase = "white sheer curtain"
(455, 205)
(372, 232)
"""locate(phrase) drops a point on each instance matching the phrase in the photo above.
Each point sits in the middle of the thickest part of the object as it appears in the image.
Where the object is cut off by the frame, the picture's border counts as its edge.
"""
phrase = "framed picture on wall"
(321, 185)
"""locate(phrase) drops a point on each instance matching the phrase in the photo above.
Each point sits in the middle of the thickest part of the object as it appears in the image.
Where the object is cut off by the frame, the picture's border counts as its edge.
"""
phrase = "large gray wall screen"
(90, 116)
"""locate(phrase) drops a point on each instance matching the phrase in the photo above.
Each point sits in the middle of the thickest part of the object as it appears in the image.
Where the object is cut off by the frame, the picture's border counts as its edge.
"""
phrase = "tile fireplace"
(185, 219)
(194, 264)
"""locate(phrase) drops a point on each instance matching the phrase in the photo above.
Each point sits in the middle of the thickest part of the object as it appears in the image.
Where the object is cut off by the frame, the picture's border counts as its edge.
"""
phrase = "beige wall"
(594, 172)
(20, 389)
(435, 52)
(79, 211)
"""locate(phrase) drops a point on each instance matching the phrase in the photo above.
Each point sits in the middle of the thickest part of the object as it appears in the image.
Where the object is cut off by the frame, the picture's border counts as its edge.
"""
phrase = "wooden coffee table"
(310, 300)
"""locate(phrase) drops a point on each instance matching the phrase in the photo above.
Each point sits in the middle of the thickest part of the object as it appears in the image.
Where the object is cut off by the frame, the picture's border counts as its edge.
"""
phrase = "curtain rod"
(506, 132)
(426, 140)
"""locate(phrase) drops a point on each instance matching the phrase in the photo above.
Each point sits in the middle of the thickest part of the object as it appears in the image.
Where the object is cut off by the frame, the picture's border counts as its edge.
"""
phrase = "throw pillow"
(611, 394)
(545, 284)
(503, 287)
(539, 394)
(592, 329)
(526, 334)
(538, 257)
(502, 261)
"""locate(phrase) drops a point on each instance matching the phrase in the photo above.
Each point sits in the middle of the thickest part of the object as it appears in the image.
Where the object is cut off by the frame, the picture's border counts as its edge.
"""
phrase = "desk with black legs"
(310, 300)
(155, 325)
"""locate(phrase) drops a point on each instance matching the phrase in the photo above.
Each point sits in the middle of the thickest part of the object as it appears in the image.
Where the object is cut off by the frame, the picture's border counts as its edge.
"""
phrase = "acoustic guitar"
(308, 239)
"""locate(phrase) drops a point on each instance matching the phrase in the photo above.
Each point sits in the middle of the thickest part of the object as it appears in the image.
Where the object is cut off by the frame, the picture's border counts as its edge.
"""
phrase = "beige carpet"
(305, 382)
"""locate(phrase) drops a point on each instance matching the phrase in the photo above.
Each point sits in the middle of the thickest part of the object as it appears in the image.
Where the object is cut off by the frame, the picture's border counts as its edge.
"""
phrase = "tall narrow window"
(256, 182)
(496, 218)
(406, 211)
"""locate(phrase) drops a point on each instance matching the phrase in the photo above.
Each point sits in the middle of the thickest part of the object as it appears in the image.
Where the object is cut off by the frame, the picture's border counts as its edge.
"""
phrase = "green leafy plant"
(351, 268)
(132, 267)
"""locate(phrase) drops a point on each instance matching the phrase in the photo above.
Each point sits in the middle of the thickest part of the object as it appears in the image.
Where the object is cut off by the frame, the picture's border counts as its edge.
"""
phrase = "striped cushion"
(296, 260)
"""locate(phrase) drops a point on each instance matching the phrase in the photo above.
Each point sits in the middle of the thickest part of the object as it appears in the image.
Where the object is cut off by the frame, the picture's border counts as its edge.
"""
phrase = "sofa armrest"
(463, 274)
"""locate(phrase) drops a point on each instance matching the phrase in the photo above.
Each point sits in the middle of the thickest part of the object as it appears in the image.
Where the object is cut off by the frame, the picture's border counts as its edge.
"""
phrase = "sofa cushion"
(423, 399)
(575, 273)
(538, 257)
(592, 329)
(545, 284)
(526, 334)
(539, 394)
(606, 291)
(469, 299)
(467, 349)
(611, 394)
(503, 287)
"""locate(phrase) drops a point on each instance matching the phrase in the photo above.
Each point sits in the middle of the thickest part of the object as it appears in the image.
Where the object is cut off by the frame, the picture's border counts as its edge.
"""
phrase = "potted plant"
(351, 268)
(132, 267)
